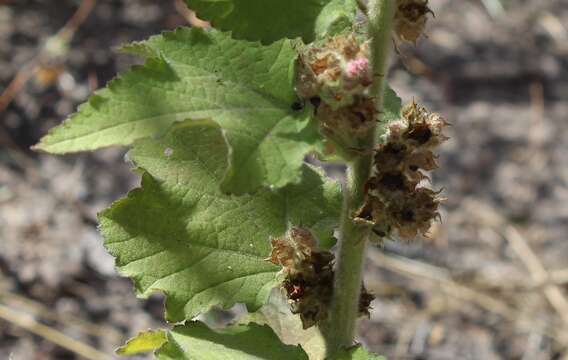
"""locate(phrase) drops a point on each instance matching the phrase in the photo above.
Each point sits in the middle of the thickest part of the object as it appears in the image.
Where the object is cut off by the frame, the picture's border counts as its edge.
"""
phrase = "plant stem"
(348, 273)
(381, 16)
(340, 329)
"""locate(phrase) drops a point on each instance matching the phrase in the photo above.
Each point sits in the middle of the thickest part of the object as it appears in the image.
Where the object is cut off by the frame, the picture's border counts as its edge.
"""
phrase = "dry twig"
(28, 323)
(552, 292)
(415, 269)
(39, 310)
(189, 15)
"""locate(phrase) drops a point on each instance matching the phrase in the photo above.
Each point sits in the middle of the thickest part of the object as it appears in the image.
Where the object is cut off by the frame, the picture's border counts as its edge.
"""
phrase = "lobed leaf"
(272, 20)
(194, 74)
(195, 341)
(181, 235)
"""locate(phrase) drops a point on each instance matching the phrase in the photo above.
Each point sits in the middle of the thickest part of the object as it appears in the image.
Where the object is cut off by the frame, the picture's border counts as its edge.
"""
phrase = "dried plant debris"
(410, 19)
(335, 77)
(395, 203)
(308, 276)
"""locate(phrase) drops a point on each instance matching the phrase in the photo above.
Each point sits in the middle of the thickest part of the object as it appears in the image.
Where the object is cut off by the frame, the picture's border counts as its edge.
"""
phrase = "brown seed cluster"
(410, 19)
(395, 203)
(308, 276)
(335, 76)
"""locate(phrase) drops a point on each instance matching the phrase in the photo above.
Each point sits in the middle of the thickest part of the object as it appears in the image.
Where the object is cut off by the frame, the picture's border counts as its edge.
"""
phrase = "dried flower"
(308, 276)
(345, 123)
(424, 128)
(395, 203)
(337, 74)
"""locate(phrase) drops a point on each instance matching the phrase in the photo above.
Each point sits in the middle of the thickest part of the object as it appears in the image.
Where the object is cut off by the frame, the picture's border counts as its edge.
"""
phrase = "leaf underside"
(181, 235)
(272, 20)
(194, 74)
(195, 341)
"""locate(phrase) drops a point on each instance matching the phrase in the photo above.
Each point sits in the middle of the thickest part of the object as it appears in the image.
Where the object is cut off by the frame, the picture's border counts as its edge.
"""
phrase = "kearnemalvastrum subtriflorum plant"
(219, 122)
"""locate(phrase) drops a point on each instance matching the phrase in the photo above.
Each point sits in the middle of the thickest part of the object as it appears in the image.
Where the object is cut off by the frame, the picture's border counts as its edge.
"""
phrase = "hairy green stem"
(340, 329)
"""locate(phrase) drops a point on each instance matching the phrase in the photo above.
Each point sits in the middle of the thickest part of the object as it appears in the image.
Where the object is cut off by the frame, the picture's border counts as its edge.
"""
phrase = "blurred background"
(489, 283)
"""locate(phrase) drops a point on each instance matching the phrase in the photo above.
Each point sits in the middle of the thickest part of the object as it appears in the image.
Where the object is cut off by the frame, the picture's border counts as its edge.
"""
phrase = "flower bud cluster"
(410, 19)
(336, 75)
(335, 71)
(308, 276)
(395, 201)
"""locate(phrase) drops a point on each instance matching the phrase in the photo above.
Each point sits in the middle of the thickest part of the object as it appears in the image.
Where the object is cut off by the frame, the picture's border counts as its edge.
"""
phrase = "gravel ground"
(471, 290)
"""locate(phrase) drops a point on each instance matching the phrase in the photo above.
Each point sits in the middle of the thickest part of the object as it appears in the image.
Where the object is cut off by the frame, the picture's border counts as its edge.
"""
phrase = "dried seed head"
(424, 160)
(375, 212)
(414, 214)
(395, 203)
(308, 276)
(308, 282)
(293, 249)
(406, 213)
(410, 19)
(424, 129)
(395, 130)
(392, 181)
(345, 123)
(389, 156)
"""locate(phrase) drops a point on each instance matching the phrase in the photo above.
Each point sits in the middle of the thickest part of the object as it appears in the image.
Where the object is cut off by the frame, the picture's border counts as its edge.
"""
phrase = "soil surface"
(488, 283)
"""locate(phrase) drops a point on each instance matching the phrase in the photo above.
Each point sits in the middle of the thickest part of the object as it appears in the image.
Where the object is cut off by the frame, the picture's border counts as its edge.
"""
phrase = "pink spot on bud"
(357, 68)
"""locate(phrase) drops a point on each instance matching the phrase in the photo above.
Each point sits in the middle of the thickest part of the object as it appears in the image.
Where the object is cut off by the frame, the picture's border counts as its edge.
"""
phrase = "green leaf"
(335, 17)
(392, 105)
(144, 342)
(271, 20)
(181, 235)
(357, 353)
(193, 74)
(276, 314)
(195, 341)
